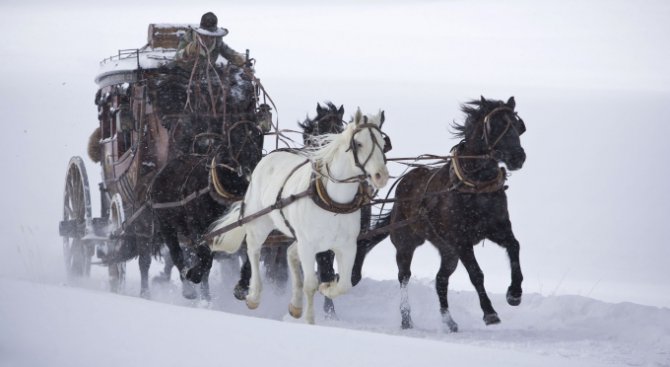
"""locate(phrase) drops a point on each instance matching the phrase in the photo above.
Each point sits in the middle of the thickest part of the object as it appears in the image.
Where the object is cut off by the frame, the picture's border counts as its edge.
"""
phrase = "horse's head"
(231, 167)
(264, 117)
(494, 128)
(369, 146)
(328, 120)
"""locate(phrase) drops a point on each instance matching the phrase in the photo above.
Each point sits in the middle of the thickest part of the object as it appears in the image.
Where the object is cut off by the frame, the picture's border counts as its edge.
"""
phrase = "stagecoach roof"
(159, 51)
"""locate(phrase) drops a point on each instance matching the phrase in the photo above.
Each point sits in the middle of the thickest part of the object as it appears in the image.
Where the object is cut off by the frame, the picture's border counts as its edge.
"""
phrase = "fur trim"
(94, 146)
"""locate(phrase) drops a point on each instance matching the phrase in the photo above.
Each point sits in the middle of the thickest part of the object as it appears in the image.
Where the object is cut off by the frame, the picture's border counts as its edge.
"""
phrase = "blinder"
(387, 144)
(515, 122)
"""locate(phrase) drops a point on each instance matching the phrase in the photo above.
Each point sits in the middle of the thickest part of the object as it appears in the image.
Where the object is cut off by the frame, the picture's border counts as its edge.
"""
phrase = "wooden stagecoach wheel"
(117, 270)
(77, 214)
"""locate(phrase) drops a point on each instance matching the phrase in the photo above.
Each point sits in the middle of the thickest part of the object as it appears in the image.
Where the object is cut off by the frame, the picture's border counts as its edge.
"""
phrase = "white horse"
(342, 162)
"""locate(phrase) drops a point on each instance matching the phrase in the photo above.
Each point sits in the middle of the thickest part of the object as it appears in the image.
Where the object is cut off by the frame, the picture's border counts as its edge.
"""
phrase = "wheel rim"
(117, 270)
(77, 208)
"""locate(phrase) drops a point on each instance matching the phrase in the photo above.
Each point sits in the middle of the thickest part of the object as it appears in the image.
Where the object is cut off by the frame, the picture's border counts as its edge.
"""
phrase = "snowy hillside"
(57, 325)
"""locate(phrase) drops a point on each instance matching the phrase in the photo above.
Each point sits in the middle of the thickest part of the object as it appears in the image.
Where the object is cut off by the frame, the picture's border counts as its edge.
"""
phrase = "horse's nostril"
(378, 176)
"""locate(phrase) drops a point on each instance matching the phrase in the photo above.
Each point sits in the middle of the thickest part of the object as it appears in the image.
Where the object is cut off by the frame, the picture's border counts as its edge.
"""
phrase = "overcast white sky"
(591, 80)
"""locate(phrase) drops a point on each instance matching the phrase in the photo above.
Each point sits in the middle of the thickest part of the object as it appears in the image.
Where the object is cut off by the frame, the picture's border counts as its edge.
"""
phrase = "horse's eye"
(359, 144)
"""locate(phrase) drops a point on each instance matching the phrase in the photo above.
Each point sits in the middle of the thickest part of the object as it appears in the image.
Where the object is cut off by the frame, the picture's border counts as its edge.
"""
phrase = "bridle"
(467, 185)
(516, 124)
(354, 148)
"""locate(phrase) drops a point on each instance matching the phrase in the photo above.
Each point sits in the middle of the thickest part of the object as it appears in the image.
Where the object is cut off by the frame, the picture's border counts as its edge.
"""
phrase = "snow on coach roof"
(160, 50)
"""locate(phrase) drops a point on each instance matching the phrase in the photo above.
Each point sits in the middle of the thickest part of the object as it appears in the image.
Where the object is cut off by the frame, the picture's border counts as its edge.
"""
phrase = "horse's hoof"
(513, 300)
(327, 289)
(189, 293)
(296, 312)
(452, 326)
(240, 292)
(407, 323)
(161, 278)
(491, 319)
(252, 305)
(194, 275)
(145, 293)
(448, 322)
(204, 303)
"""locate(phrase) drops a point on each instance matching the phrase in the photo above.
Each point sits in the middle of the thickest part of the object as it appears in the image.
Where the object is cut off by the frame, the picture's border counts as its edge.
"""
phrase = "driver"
(206, 42)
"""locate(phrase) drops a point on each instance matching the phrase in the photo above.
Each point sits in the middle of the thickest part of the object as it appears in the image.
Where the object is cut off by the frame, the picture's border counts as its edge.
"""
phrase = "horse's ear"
(319, 110)
(340, 110)
(511, 103)
(358, 116)
(482, 100)
(382, 118)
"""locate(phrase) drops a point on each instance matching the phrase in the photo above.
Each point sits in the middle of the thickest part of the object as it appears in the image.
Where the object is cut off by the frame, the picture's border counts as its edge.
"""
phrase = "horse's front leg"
(204, 257)
(448, 263)
(254, 253)
(507, 240)
(324, 265)
(345, 263)
(306, 253)
(467, 256)
(297, 284)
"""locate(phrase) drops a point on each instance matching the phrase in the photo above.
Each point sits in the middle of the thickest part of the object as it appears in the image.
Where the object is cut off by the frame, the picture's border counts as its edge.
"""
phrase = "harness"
(316, 190)
(465, 184)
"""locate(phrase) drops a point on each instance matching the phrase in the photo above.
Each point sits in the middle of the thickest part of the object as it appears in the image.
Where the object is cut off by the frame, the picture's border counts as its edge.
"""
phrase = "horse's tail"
(231, 240)
(368, 243)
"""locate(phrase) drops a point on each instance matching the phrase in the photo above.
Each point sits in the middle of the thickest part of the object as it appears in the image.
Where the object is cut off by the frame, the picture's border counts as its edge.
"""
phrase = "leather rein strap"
(466, 185)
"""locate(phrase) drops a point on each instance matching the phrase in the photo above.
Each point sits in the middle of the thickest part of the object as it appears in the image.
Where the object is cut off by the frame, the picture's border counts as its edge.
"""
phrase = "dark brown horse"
(210, 170)
(460, 204)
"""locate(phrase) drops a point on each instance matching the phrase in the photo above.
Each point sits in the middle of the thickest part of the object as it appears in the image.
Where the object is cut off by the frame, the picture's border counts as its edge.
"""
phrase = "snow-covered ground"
(78, 324)
(590, 207)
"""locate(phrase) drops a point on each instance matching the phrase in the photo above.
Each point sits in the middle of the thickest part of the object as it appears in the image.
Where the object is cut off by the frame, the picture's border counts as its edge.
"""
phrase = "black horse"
(328, 120)
(460, 204)
(195, 189)
(215, 154)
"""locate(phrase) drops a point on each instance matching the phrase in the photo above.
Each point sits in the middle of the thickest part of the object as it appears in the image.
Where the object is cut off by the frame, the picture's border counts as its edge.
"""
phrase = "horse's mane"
(326, 145)
(309, 125)
(475, 110)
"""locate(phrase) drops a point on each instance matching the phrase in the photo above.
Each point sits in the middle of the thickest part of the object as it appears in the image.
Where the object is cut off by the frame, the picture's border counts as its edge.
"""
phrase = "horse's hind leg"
(467, 255)
(242, 287)
(144, 261)
(449, 262)
(255, 238)
(405, 243)
(506, 239)
(295, 306)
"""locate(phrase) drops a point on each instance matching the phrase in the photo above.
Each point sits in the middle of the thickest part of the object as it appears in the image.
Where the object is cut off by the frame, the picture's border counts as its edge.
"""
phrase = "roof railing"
(124, 54)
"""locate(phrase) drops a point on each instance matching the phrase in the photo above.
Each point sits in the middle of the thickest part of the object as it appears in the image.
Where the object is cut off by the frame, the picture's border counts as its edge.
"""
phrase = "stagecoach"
(153, 111)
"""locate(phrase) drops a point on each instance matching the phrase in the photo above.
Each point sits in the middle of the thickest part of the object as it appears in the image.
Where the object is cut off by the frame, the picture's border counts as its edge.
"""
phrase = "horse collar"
(321, 198)
(215, 183)
(466, 185)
